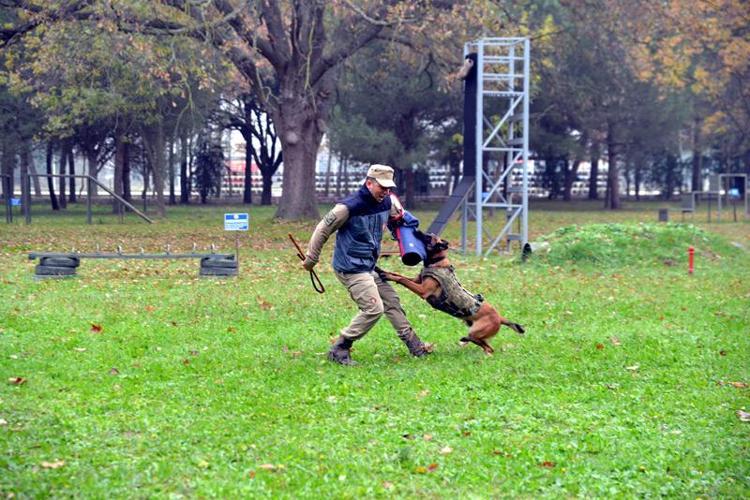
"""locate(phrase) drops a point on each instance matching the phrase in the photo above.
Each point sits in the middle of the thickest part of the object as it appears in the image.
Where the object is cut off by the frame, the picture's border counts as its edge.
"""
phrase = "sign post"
(237, 222)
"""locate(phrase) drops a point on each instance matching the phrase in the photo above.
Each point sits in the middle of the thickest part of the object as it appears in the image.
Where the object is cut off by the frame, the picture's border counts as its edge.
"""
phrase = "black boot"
(340, 351)
(417, 348)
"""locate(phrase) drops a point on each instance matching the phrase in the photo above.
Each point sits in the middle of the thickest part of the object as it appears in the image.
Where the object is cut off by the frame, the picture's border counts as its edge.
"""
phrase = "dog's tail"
(515, 327)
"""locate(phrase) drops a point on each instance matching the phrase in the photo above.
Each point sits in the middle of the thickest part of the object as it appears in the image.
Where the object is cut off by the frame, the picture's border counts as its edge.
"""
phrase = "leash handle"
(314, 279)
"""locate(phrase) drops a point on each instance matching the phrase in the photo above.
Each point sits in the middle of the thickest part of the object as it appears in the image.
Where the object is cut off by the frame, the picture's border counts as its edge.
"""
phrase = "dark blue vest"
(358, 240)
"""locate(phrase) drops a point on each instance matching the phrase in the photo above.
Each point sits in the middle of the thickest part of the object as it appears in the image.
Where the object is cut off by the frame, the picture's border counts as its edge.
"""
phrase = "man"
(360, 219)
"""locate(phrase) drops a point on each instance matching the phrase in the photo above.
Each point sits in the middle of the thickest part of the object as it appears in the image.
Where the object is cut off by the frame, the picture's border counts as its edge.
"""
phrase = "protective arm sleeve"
(333, 220)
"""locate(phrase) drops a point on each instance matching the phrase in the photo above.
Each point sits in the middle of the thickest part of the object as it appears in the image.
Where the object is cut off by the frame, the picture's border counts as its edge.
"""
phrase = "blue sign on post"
(15, 202)
(236, 222)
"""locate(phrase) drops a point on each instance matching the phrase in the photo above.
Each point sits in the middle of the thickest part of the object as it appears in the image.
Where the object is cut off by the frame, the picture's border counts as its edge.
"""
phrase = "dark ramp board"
(451, 204)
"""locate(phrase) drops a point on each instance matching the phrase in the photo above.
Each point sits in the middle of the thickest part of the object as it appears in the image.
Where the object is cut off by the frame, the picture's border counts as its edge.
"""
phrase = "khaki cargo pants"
(374, 297)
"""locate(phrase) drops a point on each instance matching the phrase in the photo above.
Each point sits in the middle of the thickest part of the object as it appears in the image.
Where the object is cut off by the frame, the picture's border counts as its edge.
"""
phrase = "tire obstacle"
(65, 264)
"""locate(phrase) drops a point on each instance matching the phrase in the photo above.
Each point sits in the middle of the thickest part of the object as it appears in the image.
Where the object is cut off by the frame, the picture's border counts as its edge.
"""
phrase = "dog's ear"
(439, 244)
(424, 238)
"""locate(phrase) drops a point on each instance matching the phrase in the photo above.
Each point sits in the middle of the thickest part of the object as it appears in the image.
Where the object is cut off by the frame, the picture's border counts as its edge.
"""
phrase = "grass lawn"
(142, 380)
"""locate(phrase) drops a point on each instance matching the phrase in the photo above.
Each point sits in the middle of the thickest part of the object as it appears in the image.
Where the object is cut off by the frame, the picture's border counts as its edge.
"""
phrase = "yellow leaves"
(272, 467)
(55, 464)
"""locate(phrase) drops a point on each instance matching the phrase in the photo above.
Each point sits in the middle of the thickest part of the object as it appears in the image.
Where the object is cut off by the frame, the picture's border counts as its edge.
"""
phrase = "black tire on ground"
(218, 263)
(54, 271)
(60, 261)
(218, 271)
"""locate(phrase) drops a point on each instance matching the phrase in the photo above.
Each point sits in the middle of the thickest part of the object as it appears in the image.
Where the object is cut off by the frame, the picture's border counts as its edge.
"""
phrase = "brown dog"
(437, 284)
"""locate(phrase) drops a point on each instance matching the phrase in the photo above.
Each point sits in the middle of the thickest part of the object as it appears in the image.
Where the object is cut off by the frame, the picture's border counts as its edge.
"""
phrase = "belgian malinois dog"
(438, 285)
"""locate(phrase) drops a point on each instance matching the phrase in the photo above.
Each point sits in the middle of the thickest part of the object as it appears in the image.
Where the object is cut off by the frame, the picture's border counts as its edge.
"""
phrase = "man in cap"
(359, 220)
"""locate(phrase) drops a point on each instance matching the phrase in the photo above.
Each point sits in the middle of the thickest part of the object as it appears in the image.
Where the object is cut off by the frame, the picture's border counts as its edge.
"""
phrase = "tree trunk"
(340, 174)
(410, 199)
(670, 181)
(126, 170)
(62, 162)
(170, 163)
(72, 171)
(328, 172)
(697, 177)
(27, 165)
(184, 178)
(300, 140)
(119, 168)
(266, 195)
(27, 159)
(146, 177)
(638, 179)
(613, 174)
(570, 176)
(50, 180)
(594, 173)
(92, 164)
(247, 188)
(154, 142)
(8, 162)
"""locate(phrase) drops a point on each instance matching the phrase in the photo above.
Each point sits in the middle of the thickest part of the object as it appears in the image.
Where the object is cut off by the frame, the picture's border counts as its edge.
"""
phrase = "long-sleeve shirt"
(328, 225)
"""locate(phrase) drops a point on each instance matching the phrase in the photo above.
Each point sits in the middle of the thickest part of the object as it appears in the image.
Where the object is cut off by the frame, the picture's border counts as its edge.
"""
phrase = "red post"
(691, 253)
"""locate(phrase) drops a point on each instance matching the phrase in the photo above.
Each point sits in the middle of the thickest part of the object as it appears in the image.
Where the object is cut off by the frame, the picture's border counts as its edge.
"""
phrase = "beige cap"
(383, 174)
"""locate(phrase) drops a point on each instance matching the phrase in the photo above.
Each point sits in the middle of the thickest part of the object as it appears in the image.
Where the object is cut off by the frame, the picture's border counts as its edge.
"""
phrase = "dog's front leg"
(423, 288)
(391, 276)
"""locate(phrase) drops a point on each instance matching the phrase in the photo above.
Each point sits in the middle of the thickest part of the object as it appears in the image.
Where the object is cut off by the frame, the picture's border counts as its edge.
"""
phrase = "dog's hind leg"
(481, 343)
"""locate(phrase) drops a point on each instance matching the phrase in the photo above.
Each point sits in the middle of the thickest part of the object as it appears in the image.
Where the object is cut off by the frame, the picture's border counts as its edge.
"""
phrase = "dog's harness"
(454, 299)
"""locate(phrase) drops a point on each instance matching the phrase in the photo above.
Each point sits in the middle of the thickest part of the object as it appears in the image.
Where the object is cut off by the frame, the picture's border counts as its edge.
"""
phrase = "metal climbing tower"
(496, 151)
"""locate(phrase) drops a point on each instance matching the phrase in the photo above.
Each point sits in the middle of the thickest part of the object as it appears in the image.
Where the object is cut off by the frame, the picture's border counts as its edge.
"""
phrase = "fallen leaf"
(194, 353)
(231, 329)
(421, 469)
(722, 353)
(615, 341)
(264, 305)
(739, 385)
(53, 465)
(268, 467)
(743, 415)
(150, 308)
(185, 361)
(600, 346)
(633, 368)
(79, 349)
(427, 437)
(446, 450)
(17, 380)
(387, 485)
(466, 433)
(423, 394)
(432, 467)
(96, 328)
(114, 371)
(251, 474)
(547, 464)
(3, 421)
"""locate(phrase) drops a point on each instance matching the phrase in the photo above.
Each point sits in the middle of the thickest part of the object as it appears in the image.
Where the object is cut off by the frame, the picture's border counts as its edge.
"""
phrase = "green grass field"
(142, 380)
